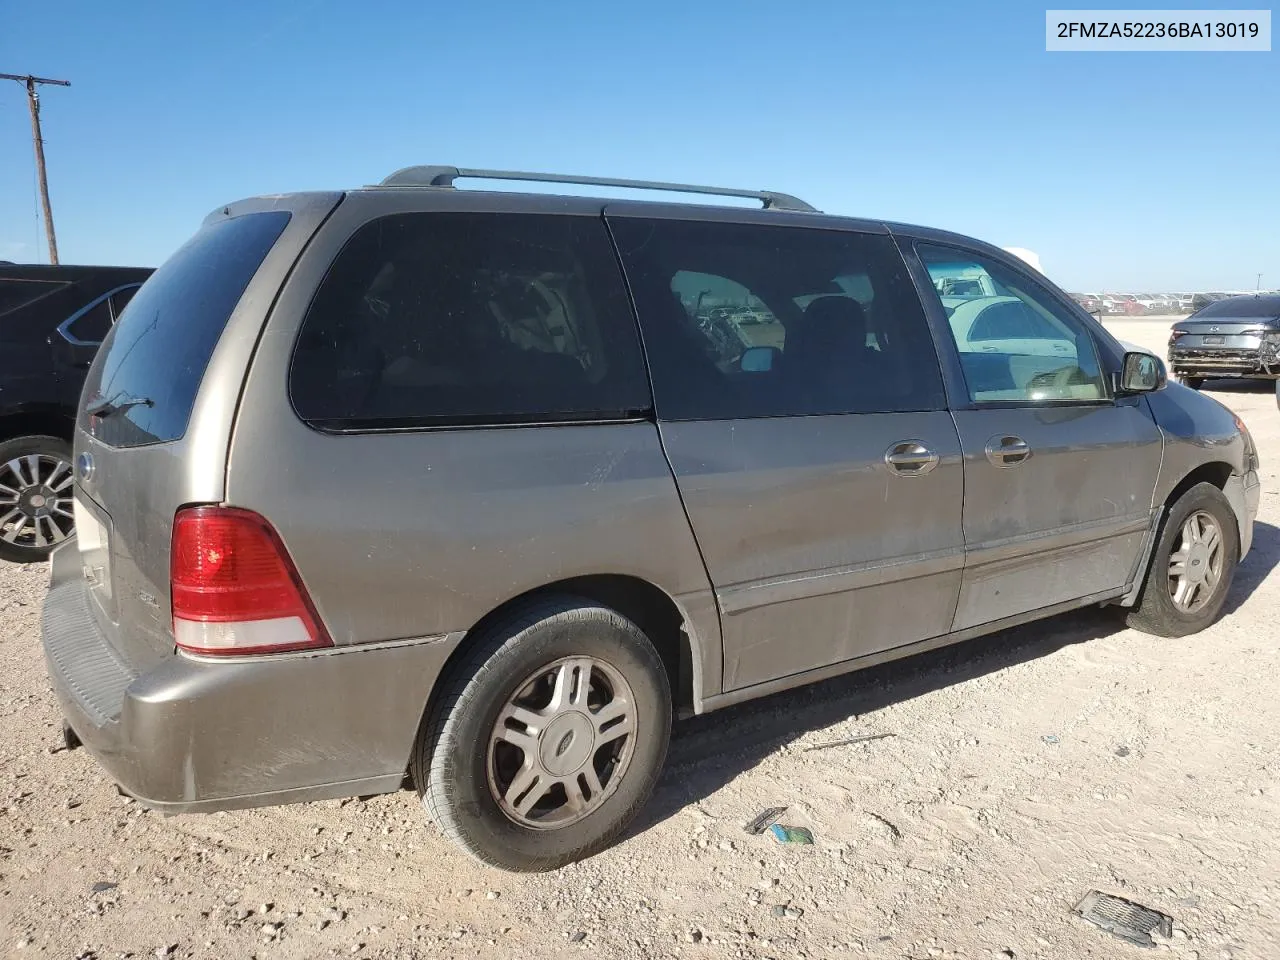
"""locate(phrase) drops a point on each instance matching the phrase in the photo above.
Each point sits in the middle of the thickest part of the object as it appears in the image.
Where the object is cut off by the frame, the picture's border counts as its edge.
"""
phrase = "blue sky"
(1155, 171)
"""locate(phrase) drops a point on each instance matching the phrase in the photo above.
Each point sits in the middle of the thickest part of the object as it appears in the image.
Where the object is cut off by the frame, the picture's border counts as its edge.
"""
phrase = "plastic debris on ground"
(791, 834)
(764, 820)
(1124, 918)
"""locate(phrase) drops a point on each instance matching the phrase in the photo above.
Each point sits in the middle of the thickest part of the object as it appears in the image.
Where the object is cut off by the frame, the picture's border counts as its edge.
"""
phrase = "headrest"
(836, 310)
(831, 328)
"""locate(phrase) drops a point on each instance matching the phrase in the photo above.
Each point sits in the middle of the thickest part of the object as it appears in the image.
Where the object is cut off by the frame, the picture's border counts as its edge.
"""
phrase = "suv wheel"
(1192, 566)
(35, 497)
(548, 739)
(1195, 383)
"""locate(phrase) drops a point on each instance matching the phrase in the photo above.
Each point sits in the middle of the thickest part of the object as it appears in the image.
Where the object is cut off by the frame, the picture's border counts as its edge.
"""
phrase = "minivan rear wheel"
(1192, 566)
(36, 478)
(1195, 383)
(548, 738)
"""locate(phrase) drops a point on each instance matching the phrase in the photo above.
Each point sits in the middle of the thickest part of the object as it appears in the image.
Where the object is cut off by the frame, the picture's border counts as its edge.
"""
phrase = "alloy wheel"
(1195, 565)
(562, 743)
(35, 501)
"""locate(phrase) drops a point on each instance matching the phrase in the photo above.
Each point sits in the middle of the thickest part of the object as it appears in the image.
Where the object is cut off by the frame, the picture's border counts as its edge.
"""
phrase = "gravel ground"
(1025, 769)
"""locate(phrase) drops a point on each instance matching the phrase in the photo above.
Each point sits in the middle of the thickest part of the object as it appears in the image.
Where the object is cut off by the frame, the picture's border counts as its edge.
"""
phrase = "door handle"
(910, 458)
(1008, 451)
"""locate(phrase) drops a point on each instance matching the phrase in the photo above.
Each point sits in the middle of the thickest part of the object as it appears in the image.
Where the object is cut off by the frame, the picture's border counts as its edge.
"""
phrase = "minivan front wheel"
(35, 497)
(1192, 566)
(548, 738)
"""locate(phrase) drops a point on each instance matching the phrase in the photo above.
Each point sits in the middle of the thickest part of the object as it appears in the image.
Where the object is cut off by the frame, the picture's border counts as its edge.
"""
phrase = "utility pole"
(33, 101)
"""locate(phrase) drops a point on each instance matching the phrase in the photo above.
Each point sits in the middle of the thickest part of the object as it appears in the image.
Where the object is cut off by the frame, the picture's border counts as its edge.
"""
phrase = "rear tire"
(520, 722)
(36, 474)
(1159, 610)
(1195, 383)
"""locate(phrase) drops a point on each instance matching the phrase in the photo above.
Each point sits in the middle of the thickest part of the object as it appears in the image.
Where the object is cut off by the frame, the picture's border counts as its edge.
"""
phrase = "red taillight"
(234, 588)
(1175, 334)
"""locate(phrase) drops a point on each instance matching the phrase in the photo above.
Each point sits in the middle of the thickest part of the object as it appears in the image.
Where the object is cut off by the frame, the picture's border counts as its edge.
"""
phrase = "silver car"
(466, 490)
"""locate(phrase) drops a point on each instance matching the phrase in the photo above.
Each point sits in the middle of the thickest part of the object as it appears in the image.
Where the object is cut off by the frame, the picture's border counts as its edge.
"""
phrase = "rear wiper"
(107, 408)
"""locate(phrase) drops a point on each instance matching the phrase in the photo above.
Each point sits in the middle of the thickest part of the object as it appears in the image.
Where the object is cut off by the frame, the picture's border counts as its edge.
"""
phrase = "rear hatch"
(1219, 334)
(157, 407)
(1230, 326)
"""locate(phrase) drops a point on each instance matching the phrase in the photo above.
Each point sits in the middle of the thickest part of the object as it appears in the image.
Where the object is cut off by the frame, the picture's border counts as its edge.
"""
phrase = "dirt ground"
(1024, 770)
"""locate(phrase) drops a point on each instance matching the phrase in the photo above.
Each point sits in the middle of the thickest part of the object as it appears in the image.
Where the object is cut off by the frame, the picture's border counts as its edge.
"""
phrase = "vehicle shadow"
(1264, 556)
(1238, 385)
(708, 752)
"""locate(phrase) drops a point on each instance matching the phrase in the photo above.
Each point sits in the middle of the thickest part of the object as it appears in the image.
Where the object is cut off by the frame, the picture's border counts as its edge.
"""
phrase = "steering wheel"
(1056, 381)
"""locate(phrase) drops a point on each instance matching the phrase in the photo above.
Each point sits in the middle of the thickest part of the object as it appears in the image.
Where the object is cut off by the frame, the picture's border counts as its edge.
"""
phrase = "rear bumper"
(191, 735)
(1231, 362)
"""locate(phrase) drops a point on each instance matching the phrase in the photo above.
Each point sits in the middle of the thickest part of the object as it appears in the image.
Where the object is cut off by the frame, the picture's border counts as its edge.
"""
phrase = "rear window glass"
(156, 355)
(1242, 307)
(1012, 319)
(429, 319)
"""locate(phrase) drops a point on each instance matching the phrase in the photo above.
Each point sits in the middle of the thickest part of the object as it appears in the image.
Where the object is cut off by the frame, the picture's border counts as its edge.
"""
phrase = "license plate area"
(1212, 341)
(94, 540)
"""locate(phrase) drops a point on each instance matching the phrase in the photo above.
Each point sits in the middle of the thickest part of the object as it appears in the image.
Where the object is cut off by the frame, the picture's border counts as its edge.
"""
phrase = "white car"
(1037, 349)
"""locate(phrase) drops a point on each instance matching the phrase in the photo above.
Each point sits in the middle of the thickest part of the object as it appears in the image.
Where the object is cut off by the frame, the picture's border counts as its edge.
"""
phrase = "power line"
(33, 102)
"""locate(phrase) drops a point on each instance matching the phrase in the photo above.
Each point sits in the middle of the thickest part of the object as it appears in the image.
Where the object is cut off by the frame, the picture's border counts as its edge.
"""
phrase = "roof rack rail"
(436, 176)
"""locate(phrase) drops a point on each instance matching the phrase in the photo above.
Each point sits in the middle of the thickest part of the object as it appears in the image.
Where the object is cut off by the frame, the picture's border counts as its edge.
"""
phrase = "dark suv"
(51, 322)
(484, 487)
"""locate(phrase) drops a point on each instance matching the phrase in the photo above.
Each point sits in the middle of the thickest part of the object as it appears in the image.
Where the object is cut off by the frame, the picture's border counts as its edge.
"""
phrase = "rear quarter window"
(438, 319)
(159, 349)
(93, 324)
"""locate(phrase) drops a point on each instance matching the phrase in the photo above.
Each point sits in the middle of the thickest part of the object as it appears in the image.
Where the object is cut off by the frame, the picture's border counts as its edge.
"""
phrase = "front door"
(801, 407)
(1059, 473)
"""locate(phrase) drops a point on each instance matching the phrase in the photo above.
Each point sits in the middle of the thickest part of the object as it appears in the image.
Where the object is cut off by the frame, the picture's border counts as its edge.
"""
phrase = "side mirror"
(1142, 373)
(757, 359)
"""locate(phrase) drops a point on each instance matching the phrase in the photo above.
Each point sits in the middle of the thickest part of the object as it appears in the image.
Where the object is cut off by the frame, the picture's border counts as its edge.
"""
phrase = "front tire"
(1192, 566)
(35, 497)
(548, 738)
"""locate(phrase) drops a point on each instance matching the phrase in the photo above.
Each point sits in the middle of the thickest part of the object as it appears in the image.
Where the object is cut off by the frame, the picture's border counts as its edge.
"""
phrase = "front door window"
(1016, 342)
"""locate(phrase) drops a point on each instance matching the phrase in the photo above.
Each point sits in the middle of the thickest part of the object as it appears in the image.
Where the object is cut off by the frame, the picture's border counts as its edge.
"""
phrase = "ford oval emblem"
(85, 467)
